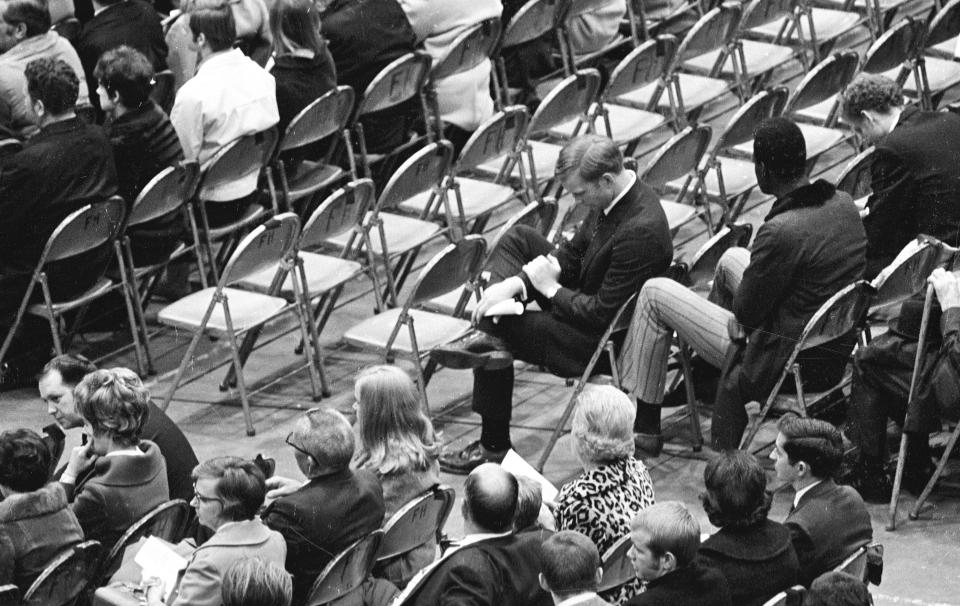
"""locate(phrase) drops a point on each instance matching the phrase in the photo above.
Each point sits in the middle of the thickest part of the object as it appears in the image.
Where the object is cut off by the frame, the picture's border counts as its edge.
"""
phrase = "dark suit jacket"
(690, 586)
(176, 450)
(810, 246)
(758, 561)
(322, 518)
(501, 571)
(829, 524)
(915, 179)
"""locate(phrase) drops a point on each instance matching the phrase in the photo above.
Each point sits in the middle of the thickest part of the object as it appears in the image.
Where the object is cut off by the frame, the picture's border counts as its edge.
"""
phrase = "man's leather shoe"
(468, 459)
(476, 349)
(647, 444)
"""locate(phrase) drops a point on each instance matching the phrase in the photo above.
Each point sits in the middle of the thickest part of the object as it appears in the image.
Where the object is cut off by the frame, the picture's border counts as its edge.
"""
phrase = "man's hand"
(544, 274)
(81, 458)
(947, 286)
(496, 293)
(279, 486)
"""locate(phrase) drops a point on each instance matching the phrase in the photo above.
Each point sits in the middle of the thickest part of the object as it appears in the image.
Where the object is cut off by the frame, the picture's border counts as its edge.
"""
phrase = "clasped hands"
(543, 273)
(947, 286)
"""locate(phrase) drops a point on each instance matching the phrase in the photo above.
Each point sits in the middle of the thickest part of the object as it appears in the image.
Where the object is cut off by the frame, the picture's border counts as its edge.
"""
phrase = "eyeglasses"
(301, 450)
(202, 499)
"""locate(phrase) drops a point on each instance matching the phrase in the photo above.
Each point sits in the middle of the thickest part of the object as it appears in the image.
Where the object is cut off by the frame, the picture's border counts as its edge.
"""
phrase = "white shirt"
(803, 491)
(231, 96)
(578, 599)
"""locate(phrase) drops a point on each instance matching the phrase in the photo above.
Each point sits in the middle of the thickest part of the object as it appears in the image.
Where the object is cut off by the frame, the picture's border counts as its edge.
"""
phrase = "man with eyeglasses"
(334, 508)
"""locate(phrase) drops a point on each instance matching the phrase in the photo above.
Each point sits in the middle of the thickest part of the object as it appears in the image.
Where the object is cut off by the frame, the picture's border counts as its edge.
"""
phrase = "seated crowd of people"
(255, 535)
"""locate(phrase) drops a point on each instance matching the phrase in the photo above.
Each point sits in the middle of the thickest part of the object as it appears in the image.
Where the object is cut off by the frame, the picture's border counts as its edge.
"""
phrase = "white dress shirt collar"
(578, 599)
(633, 179)
(803, 491)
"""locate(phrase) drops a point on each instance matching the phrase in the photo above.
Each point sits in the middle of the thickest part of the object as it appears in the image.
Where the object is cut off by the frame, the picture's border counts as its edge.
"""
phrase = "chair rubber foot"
(325, 393)
(251, 432)
(697, 448)
(223, 386)
(298, 350)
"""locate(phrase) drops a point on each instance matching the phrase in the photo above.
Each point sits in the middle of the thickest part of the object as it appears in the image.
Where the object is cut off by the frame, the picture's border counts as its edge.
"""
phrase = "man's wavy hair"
(54, 82)
(869, 92)
(115, 403)
(813, 441)
(736, 494)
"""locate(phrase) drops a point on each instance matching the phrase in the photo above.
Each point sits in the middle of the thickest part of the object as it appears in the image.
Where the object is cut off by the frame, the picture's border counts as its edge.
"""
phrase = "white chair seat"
(677, 213)
(251, 216)
(941, 75)
(640, 98)
(627, 124)
(695, 90)
(828, 23)
(818, 138)
(247, 309)
(403, 234)
(760, 57)
(885, 5)
(819, 112)
(311, 176)
(544, 161)
(479, 197)
(324, 272)
(102, 285)
(445, 304)
(946, 50)
(432, 330)
(738, 178)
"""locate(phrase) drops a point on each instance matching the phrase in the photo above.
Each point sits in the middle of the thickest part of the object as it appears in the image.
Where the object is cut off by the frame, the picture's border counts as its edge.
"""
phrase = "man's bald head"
(490, 498)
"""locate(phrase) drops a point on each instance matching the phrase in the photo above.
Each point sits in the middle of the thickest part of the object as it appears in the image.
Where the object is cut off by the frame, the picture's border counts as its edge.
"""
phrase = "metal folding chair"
(855, 564)
(65, 578)
(417, 522)
(10, 595)
(678, 160)
(789, 597)
(164, 90)
(346, 571)
(703, 265)
(936, 71)
(573, 61)
(855, 179)
(617, 568)
(534, 19)
(225, 312)
(821, 26)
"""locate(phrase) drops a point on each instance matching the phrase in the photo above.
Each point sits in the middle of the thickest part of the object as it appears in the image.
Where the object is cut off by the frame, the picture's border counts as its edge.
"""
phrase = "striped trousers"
(664, 307)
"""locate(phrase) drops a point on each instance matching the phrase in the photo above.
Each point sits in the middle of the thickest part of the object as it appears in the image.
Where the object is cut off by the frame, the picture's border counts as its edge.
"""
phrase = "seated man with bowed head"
(827, 522)
(115, 478)
(810, 246)
(570, 570)
(665, 542)
(334, 508)
(837, 589)
(56, 384)
(229, 97)
(491, 565)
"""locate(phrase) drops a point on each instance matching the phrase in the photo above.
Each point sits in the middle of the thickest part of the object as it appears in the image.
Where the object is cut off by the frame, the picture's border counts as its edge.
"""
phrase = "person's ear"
(668, 562)
(20, 31)
(599, 575)
(802, 468)
(543, 583)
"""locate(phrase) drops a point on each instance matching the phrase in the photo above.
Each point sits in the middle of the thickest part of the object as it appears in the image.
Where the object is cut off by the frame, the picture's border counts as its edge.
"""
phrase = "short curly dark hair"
(813, 441)
(126, 71)
(869, 92)
(24, 460)
(736, 492)
(53, 82)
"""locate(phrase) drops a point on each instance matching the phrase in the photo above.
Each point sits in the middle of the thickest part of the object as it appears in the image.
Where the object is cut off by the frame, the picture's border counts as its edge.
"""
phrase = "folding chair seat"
(818, 26)
(499, 137)
(455, 265)
(81, 232)
(679, 158)
(65, 578)
(534, 19)
(417, 522)
(225, 311)
(324, 117)
(838, 316)
(645, 66)
(347, 571)
(856, 179)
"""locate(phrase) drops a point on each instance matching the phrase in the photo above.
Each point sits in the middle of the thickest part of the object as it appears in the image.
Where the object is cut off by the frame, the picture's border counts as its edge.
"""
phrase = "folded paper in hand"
(510, 307)
(518, 466)
(158, 559)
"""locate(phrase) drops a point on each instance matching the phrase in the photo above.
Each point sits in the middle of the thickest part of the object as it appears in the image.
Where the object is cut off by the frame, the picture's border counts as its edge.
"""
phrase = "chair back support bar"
(346, 571)
(569, 99)
(85, 229)
(855, 178)
(896, 46)
(341, 212)
(647, 63)
(713, 31)
(497, 136)
(824, 80)
(945, 25)
(326, 116)
(678, 157)
(416, 522)
(402, 79)
(837, 316)
(534, 19)
(263, 247)
(451, 268)
(758, 108)
(421, 171)
(469, 49)
(239, 159)
(704, 262)
(909, 277)
(165, 193)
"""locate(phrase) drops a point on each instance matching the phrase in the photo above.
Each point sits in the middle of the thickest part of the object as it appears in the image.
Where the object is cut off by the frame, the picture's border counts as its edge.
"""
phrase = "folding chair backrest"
(713, 31)
(9, 595)
(895, 46)
(568, 100)
(909, 277)
(469, 49)
(616, 564)
(343, 210)
(855, 564)
(945, 25)
(327, 115)
(680, 155)
(761, 12)
(855, 178)
(400, 80)
(539, 215)
(85, 229)
(164, 90)
(65, 577)
(167, 521)
(416, 522)
(837, 316)
(824, 80)
(239, 159)
(534, 19)
(744, 123)
(165, 193)
(449, 269)
(497, 136)
(346, 571)
(704, 262)
(263, 247)
(644, 64)
(789, 597)
(420, 172)
(10, 146)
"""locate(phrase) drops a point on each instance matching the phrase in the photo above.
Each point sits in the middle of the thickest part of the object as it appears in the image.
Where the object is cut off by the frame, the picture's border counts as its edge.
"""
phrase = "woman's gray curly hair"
(603, 424)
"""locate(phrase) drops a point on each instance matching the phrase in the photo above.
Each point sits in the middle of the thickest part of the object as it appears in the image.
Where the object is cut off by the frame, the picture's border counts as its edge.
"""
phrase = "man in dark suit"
(56, 384)
(334, 508)
(66, 165)
(623, 242)
(133, 23)
(810, 246)
(492, 565)
(915, 175)
(827, 522)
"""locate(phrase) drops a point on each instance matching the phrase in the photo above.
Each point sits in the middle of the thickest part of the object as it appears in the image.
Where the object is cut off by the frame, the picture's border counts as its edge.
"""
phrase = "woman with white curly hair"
(614, 486)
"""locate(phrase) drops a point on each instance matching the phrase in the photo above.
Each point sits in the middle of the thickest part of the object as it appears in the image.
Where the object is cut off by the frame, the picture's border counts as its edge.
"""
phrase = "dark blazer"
(758, 561)
(322, 518)
(915, 179)
(810, 246)
(176, 450)
(131, 22)
(690, 586)
(501, 571)
(118, 492)
(828, 524)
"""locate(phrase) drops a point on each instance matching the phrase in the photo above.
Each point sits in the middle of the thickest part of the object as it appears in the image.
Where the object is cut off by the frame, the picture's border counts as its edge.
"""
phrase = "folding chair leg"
(311, 352)
(197, 245)
(246, 347)
(693, 407)
(138, 307)
(235, 352)
(131, 315)
(941, 466)
(765, 410)
(897, 482)
(421, 381)
(188, 355)
(54, 328)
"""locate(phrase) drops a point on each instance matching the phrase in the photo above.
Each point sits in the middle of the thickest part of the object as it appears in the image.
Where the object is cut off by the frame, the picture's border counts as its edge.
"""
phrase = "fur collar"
(49, 499)
(813, 194)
